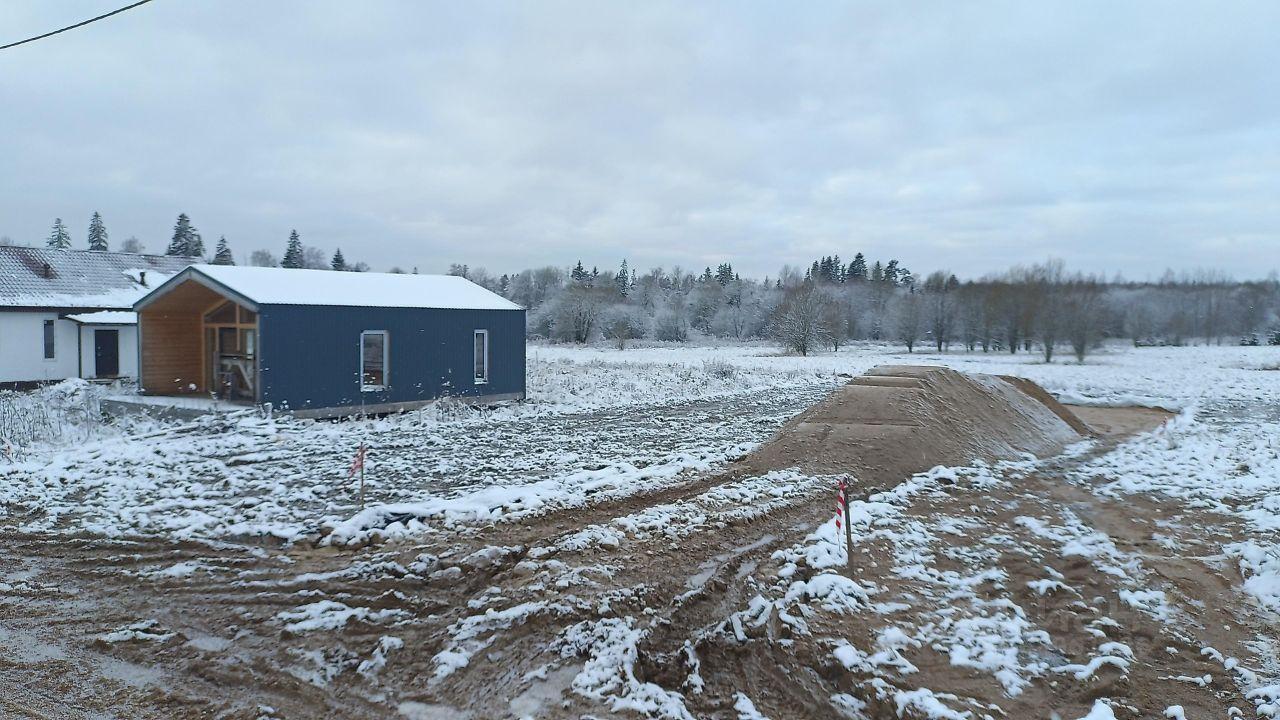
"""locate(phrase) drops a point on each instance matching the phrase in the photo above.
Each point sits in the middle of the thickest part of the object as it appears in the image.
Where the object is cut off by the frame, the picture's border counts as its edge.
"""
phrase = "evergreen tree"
(622, 281)
(504, 284)
(877, 272)
(97, 233)
(579, 274)
(338, 262)
(724, 273)
(293, 252)
(707, 276)
(59, 238)
(857, 269)
(891, 272)
(186, 240)
(222, 254)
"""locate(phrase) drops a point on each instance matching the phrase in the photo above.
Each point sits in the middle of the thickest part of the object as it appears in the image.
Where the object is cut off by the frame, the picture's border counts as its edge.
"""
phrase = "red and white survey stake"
(357, 465)
(840, 503)
(842, 520)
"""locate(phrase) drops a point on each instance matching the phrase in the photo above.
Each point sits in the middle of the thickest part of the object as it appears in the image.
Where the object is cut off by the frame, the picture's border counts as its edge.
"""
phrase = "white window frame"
(50, 327)
(386, 361)
(480, 380)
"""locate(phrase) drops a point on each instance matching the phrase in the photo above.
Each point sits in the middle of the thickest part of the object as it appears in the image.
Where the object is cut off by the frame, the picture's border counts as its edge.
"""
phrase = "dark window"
(373, 360)
(48, 340)
(482, 356)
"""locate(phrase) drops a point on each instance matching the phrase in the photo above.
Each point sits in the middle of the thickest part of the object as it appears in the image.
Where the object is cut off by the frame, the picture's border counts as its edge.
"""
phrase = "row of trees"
(1040, 308)
(188, 242)
(60, 237)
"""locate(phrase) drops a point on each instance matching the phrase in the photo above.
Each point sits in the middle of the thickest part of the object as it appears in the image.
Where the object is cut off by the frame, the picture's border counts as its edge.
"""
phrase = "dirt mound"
(897, 420)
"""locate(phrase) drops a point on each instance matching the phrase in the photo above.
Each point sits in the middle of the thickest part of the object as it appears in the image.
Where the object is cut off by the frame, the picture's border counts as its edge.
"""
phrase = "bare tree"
(837, 317)
(313, 258)
(262, 258)
(798, 322)
(1044, 288)
(622, 323)
(1082, 310)
(577, 312)
(938, 289)
(908, 318)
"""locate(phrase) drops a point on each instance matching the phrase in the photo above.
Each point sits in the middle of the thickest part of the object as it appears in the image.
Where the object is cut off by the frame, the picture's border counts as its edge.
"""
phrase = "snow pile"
(332, 615)
(609, 672)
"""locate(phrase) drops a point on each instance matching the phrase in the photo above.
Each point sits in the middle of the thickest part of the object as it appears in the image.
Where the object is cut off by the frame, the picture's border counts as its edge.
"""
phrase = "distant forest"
(1040, 308)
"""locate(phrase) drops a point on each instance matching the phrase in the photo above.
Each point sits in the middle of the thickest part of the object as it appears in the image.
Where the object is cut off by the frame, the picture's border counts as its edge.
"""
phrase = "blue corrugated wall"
(310, 355)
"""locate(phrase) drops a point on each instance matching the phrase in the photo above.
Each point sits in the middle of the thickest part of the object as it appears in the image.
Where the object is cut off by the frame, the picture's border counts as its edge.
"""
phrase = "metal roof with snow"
(255, 286)
(105, 317)
(79, 279)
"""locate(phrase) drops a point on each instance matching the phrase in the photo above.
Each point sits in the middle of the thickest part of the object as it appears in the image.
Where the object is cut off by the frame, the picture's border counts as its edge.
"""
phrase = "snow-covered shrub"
(719, 369)
(63, 412)
(670, 325)
(623, 323)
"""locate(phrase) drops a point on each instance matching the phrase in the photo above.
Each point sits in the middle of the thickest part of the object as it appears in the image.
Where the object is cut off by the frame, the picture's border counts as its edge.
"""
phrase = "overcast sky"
(949, 135)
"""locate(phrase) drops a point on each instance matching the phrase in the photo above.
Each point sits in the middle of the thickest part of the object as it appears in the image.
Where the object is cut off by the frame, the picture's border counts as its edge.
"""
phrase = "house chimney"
(48, 271)
(142, 278)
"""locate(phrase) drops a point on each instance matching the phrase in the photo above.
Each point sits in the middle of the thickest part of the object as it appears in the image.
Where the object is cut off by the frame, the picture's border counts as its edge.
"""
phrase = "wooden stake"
(362, 461)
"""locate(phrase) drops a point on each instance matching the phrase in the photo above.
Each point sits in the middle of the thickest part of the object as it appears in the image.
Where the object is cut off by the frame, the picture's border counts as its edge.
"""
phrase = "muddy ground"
(613, 609)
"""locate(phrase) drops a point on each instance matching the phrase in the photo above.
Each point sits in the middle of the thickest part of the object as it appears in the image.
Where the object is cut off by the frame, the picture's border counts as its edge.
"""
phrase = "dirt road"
(992, 592)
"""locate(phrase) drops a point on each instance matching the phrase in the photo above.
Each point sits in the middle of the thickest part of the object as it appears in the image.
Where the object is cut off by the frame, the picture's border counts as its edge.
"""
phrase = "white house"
(69, 313)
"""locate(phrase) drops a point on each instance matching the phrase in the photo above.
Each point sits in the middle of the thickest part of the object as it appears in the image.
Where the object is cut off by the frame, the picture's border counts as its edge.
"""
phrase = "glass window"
(373, 360)
(48, 340)
(224, 314)
(482, 356)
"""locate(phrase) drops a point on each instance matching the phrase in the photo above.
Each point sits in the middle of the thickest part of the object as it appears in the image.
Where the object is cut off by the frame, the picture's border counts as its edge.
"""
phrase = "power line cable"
(73, 27)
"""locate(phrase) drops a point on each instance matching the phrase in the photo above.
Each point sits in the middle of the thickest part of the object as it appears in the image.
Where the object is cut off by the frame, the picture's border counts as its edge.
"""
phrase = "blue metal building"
(319, 343)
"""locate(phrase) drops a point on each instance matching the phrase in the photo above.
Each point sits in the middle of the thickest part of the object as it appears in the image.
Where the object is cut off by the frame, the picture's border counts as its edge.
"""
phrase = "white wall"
(22, 348)
(128, 349)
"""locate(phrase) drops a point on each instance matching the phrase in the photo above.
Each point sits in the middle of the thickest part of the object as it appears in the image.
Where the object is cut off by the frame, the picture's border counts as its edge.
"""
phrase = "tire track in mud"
(221, 598)
(232, 652)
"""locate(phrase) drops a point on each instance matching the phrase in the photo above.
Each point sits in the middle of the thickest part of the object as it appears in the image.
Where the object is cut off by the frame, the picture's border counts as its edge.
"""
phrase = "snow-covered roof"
(106, 317)
(284, 286)
(47, 278)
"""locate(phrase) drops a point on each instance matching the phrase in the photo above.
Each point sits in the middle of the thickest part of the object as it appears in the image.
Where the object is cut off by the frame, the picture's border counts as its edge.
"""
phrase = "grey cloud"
(969, 136)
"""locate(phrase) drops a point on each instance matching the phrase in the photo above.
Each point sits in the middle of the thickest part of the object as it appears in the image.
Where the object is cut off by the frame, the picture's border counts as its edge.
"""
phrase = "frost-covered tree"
(59, 238)
(577, 313)
(798, 322)
(222, 253)
(908, 318)
(623, 323)
(186, 241)
(97, 233)
(262, 258)
(293, 252)
(132, 244)
(670, 323)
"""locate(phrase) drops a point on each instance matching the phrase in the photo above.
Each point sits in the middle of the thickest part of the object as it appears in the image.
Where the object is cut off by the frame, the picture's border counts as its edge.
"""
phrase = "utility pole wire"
(73, 27)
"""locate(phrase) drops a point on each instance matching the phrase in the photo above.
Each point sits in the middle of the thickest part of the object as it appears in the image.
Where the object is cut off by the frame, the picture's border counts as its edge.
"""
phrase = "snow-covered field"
(602, 425)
